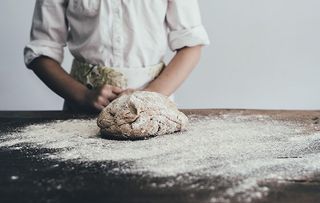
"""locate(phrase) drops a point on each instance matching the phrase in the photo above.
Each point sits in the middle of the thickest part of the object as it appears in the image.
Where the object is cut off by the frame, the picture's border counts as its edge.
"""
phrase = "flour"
(234, 153)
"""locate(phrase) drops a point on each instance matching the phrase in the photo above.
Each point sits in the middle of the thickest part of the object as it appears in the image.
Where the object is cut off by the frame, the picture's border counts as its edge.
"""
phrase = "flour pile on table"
(234, 153)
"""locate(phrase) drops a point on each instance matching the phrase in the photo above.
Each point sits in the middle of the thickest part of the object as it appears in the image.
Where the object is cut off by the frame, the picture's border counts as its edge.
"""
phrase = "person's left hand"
(127, 91)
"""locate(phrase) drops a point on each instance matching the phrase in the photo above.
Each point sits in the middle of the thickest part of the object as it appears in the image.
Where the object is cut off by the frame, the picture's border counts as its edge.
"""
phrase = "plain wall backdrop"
(263, 54)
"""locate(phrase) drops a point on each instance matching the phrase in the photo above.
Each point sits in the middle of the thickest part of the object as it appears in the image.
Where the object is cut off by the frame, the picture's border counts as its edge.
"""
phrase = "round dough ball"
(140, 115)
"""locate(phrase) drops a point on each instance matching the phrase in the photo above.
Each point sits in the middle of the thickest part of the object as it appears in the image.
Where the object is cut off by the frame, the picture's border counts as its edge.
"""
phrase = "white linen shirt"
(114, 33)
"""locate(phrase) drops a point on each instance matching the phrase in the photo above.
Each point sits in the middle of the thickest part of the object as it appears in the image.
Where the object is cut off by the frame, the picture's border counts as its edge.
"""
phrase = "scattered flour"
(233, 152)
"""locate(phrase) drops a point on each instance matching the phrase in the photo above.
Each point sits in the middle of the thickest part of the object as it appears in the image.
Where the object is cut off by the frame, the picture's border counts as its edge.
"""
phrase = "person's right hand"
(96, 100)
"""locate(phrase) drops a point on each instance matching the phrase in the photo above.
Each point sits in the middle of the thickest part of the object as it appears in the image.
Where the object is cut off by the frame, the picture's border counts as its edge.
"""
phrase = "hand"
(96, 100)
(127, 91)
(148, 89)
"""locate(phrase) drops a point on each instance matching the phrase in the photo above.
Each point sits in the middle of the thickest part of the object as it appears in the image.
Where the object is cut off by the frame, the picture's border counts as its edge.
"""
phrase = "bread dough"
(139, 115)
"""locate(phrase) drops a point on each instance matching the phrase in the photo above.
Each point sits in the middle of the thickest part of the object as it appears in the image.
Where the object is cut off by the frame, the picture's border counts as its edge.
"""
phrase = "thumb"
(117, 90)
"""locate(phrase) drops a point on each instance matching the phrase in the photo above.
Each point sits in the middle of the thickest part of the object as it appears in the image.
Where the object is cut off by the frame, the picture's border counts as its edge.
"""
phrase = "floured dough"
(139, 115)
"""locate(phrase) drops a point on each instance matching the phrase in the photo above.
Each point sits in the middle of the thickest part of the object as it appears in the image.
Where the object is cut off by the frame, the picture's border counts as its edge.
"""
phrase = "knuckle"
(100, 98)
(102, 90)
(106, 91)
(95, 105)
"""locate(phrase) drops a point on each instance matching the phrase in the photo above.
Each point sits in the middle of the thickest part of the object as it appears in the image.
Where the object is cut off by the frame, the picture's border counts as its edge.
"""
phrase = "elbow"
(196, 48)
(194, 51)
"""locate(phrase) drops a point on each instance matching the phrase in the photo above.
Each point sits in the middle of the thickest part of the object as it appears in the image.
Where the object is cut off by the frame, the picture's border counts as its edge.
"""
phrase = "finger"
(127, 92)
(102, 101)
(106, 87)
(112, 97)
(117, 90)
(98, 106)
(109, 95)
(105, 92)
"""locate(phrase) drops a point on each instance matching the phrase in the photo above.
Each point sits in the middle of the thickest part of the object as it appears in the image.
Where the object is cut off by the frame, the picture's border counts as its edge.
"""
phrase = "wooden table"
(83, 183)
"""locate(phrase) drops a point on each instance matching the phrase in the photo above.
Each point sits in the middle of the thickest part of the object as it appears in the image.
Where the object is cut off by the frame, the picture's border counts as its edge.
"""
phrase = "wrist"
(150, 89)
(80, 96)
(147, 89)
(157, 90)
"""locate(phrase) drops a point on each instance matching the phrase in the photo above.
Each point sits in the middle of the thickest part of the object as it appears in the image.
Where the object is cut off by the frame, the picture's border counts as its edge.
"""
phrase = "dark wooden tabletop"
(85, 183)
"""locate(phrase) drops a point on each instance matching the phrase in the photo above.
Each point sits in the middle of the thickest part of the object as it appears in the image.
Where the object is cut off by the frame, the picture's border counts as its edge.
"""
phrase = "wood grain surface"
(101, 187)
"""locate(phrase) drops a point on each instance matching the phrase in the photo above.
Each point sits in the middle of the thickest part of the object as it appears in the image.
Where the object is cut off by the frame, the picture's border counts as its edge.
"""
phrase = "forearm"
(58, 80)
(176, 71)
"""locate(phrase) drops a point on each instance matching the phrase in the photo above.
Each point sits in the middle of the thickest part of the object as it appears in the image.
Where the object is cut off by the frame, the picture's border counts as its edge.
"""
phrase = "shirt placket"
(116, 33)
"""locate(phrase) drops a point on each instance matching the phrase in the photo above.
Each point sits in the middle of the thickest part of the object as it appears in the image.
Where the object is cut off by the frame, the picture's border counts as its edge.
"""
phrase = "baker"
(118, 47)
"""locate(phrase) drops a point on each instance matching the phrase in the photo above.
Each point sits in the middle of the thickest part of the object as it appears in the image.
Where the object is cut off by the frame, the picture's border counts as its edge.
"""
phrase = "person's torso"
(117, 33)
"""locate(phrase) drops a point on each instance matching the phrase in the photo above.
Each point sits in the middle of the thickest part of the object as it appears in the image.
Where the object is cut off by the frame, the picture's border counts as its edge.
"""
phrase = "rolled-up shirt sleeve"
(185, 25)
(49, 29)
